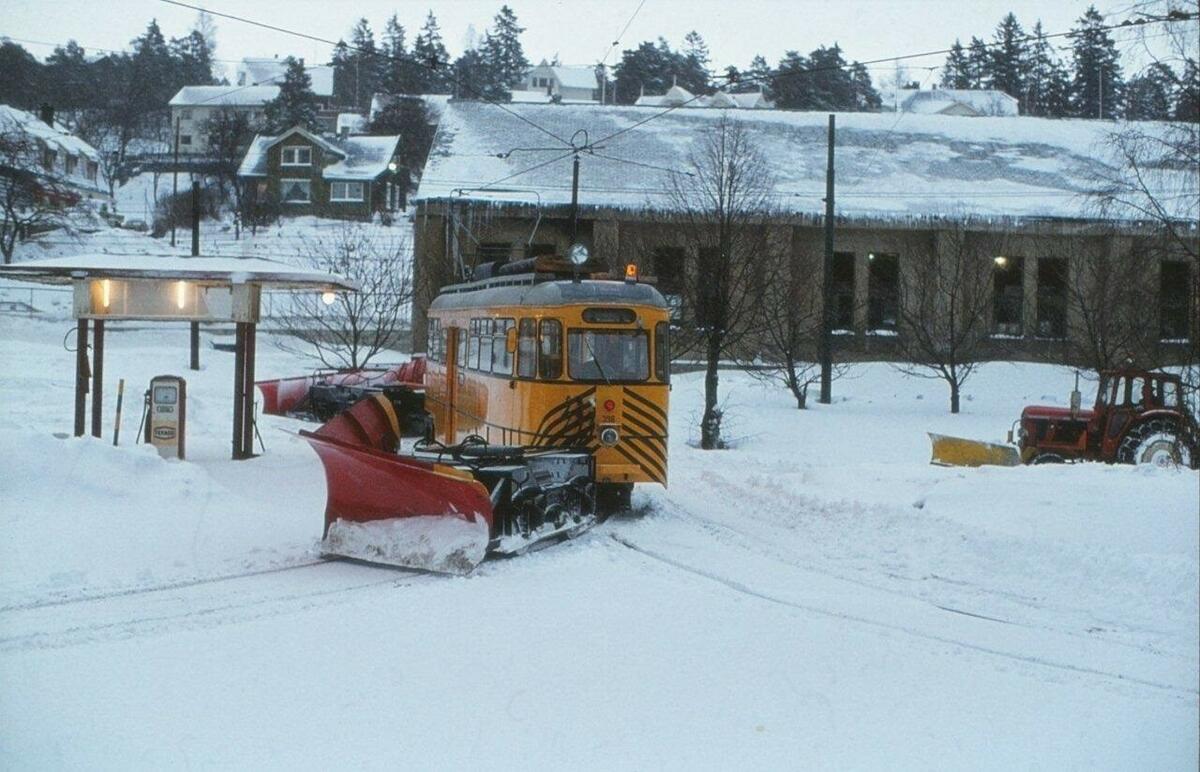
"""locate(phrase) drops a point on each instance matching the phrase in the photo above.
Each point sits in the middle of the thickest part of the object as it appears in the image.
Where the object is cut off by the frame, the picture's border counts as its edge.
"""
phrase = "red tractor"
(1139, 418)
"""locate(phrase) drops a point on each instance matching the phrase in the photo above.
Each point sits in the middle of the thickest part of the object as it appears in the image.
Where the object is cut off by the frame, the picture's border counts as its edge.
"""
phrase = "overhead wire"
(617, 40)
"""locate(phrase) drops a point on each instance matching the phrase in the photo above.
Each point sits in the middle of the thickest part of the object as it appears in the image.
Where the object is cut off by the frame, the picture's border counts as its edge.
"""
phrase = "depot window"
(843, 290)
(1008, 294)
(1052, 297)
(550, 349)
(1175, 284)
(883, 291)
(605, 356)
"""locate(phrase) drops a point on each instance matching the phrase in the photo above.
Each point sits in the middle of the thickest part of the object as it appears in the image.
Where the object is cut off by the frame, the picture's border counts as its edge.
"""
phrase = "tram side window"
(527, 349)
(485, 345)
(473, 353)
(662, 352)
(502, 360)
(435, 342)
(462, 347)
(550, 349)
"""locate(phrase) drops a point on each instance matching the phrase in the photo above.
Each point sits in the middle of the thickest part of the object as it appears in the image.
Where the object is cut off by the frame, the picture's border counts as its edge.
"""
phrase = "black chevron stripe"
(649, 422)
(624, 452)
(563, 411)
(648, 453)
(645, 403)
(641, 432)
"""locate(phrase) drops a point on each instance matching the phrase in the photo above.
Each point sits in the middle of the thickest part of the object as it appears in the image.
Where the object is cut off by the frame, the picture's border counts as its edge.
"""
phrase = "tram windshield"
(605, 356)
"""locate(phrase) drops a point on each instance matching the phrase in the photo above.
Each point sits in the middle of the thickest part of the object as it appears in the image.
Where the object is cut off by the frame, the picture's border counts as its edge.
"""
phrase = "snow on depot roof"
(222, 270)
(887, 165)
(985, 102)
(229, 96)
(59, 136)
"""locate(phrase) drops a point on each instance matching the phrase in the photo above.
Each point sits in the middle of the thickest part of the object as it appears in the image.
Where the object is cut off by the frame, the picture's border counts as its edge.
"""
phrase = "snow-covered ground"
(817, 596)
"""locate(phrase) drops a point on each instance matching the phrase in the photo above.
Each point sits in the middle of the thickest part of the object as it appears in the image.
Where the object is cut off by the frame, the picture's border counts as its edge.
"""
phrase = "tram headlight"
(609, 436)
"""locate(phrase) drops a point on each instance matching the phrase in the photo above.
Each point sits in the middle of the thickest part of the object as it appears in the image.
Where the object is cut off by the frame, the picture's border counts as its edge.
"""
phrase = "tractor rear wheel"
(1158, 441)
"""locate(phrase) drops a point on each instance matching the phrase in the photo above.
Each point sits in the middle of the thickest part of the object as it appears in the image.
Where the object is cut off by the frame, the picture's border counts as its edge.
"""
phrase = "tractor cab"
(1126, 397)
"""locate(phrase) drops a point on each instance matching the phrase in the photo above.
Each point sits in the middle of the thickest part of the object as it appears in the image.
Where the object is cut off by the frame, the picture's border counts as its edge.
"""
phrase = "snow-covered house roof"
(359, 157)
(261, 71)
(922, 166)
(950, 101)
(224, 96)
(57, 137)
(675, 97)
(575, 77)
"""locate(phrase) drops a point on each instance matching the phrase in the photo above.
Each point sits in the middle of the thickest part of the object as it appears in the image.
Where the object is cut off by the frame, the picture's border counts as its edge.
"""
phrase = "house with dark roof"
(304, 174)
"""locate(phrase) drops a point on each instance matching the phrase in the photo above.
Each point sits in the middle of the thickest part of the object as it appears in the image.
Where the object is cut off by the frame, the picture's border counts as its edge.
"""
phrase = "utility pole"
(195, 331)
(824, 352)
(575, 200)
(174, 182)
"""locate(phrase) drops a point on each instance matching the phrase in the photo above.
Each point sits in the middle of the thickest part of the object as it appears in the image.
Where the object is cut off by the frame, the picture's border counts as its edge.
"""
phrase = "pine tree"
(21, 77)
(1148, 96)
(693, 73)
(977, 63)
(788, 83)
(296, 104)
(646, 68)
(1047, 81)
(1098, 86)
(1187, 94)
(866, 98)
(433, 61)
(68, 72)
(366, 61)
(1008, 59)
(956, 72)
(829, 86)
(757, 76)
(473, 78)
(194, 60)
(503, 56)
(343, 75)
(399, 71)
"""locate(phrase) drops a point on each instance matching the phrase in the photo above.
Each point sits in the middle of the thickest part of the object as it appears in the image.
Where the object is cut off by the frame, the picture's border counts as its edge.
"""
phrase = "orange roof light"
(631, 273)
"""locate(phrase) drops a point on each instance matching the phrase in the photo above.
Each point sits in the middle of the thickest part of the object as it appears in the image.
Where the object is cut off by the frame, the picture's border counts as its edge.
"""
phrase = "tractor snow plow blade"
(396, 510)
(957, 451)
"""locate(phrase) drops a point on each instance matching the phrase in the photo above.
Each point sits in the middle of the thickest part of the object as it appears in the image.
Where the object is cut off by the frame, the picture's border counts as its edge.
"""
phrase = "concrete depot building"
(904, 187)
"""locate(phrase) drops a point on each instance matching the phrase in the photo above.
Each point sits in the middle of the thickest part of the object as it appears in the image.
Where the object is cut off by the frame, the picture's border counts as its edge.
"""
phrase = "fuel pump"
(166, 414)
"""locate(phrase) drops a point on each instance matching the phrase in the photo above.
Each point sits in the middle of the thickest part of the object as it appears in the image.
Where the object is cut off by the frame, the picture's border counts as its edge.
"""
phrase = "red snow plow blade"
(397, 510)
(283, 395)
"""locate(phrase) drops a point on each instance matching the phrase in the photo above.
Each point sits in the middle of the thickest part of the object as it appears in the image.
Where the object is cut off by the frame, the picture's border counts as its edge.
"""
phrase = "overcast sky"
(578, 31)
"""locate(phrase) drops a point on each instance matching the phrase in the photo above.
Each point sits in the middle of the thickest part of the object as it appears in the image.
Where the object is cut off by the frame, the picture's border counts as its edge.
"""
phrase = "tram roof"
(525, 290)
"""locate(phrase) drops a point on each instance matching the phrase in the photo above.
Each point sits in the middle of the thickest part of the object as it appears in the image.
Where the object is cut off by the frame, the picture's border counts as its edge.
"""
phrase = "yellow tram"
(541, 359)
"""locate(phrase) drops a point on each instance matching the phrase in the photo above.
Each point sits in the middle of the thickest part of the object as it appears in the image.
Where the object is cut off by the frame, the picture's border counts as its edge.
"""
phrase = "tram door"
(456, 341)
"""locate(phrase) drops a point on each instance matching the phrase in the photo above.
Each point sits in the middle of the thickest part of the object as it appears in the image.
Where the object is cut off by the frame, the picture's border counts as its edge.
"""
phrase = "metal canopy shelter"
(170, 288)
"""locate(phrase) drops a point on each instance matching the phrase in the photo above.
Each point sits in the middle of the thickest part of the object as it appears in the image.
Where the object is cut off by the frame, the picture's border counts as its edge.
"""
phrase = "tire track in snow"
(125, 617)
(767, 548)
(737, 586)
(90, 597)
